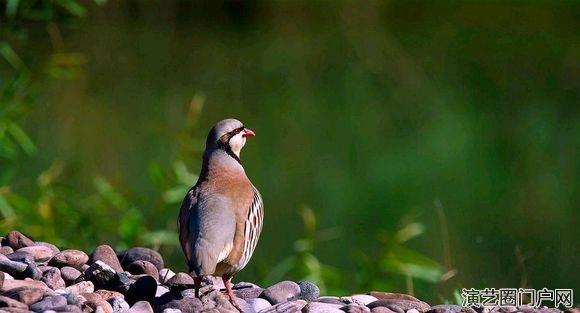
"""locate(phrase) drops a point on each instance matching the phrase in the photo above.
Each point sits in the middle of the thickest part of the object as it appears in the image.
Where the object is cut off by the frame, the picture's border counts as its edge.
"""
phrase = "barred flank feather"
(253, 228)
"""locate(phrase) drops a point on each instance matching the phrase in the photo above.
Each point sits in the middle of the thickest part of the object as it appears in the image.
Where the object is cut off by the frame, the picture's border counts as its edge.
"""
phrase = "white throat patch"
(237, 142)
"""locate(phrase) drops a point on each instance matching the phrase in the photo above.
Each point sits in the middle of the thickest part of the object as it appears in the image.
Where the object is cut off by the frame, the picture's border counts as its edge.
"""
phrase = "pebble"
(141, 307)
(107, 255)
(141, 254)
(218, 299)
(359, 299)
(26, 295)
(118, 304)
(143, 289)
(248, 293)
(320, 307)
(258, 304)
(48, 303)
(81, 287)
(329, 299)
(40, 253)
(445, 308)
(99, 309)
(95, 301)
(391, 295)
(171, 311)
(74, 299)
(13, 268)
(17, 240)
(286, 307)
(308, 291)
(10, 284)
(106, 294)
(244, 284)
(143, 267)
(121, 282)
(69, 274)
(51, 277)
(386, 304)
(165, 274)
(11, 303)
(381, 309)
(161, 290)
(6, 250)
(185, 305)
(70, 257)
(52, 247)
(68, 309)
(355, 308)
(21, 256)
(32, 271)
(2, 277)
(180, 279)
(281, 292)
(400, 305)
(100, 274)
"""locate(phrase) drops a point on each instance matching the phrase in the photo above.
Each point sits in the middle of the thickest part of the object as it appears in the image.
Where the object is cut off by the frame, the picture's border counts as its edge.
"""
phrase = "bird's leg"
(197, 285)
(230, 292)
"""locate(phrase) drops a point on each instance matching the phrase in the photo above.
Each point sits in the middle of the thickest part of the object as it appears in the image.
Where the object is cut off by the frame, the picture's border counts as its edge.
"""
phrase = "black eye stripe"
(235, 132)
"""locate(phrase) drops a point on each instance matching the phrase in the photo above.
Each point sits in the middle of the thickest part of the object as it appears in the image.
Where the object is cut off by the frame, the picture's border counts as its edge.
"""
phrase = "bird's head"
(230, 135)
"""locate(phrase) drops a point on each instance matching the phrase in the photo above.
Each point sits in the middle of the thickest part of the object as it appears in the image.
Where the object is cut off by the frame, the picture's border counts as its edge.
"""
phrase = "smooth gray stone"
(51, 277)
(40, 253)
(107, 255)
(13, 268)
(17, 240)
(48, 303)
(141, 253)
(281, 292)
(308, 291)
(81, 287)
(69, 274)
(118, 304)
(70, 257)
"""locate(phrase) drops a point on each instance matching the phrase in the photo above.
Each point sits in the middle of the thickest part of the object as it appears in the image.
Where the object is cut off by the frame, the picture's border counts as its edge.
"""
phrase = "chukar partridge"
(221, 216)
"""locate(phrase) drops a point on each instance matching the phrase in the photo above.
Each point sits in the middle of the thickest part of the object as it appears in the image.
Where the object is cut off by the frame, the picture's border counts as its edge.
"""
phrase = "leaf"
(10, 55)
(130, 226)
(155, 173)
(160, 237)
(107, 191)
(21, 138)
(408, 262)
(72, 7)
(410, 231)
(11, 7)
(183, 175)
(8, 149)
(457, 297)
(6, 209)
(175, 194)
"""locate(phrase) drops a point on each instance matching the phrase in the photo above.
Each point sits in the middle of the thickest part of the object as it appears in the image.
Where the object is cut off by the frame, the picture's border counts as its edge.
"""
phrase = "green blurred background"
(412, 146)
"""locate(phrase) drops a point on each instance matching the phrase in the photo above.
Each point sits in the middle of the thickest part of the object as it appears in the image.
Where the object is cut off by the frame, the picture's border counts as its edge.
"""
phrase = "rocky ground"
(38, 277)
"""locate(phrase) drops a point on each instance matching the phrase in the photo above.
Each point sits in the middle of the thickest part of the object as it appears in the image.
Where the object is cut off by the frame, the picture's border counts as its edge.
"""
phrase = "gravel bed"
(38, 277)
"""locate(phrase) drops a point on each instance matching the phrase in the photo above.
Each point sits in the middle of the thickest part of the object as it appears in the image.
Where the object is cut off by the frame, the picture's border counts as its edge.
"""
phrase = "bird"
(221, 216)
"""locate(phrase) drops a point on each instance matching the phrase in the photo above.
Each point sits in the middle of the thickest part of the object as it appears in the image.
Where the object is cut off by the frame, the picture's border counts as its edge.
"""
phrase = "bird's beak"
(248, 133)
